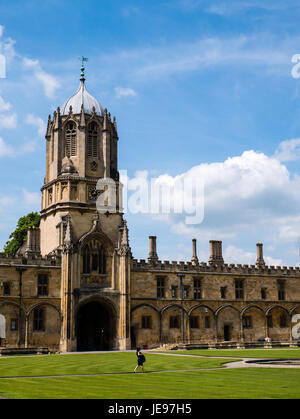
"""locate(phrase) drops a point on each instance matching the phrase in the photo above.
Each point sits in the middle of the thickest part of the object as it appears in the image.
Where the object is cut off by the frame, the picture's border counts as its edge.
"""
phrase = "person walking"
(140, 360)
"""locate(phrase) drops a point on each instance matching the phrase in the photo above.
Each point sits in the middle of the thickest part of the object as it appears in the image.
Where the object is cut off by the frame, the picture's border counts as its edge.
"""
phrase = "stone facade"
(74, 284)
(213, 303)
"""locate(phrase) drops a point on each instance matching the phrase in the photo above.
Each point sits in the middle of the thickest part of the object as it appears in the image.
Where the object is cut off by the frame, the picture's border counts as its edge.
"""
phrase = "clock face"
(93, 193)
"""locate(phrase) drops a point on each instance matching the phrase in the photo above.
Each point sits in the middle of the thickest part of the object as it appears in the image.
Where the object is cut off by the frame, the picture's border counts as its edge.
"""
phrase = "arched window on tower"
(86, 260)
(94, 258)
(92, 141)
(102, 261)
(70, 140)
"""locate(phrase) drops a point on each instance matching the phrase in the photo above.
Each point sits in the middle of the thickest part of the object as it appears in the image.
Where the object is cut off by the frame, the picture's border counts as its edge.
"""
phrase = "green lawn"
(250, 383)
(118, 362)
(291, 353)
(221, 383)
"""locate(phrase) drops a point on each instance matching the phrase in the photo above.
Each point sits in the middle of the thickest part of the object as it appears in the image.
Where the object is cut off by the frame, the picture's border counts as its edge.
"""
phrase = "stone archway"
(95, 326)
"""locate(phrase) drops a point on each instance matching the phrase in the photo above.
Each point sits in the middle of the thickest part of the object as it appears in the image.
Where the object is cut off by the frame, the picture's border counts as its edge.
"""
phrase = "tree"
(19, 236)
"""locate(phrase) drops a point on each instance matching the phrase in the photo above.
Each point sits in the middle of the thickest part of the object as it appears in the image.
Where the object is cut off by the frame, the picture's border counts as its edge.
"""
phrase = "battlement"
(215, 264)
(174, 266)
(30, 260)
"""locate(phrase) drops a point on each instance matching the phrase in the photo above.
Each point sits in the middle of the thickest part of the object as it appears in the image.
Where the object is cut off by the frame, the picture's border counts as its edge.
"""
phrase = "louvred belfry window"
(92, 141)
(70, 140)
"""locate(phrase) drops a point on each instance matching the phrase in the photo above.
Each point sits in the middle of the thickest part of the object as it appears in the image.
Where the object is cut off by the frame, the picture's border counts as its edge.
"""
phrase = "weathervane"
(83, 60)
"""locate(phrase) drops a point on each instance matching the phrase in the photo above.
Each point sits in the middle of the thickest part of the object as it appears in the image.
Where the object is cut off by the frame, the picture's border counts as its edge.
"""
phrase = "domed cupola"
(82, 97)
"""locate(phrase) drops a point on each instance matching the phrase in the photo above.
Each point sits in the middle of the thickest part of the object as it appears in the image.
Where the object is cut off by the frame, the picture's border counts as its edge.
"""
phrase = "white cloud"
(4, 106)
(9, 151)
(49, 82)
(7, 46)
(28, 147)
(37, 122)
(235, 255)
(124, 92)
(6, 202)
(288, 150)
(251, 51)
(5, 150)
(8, 121)
(31, 198)
(227, 8)
(252, 194)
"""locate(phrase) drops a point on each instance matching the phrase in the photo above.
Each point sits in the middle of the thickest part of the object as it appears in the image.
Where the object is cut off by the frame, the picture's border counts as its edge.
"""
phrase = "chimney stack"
(195, 259)
(152, 250)
(260, 263)
(215, 247)
(33, 241)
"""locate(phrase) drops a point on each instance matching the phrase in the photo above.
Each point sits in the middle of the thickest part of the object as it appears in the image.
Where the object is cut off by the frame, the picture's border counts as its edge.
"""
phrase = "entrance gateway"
(95, 327)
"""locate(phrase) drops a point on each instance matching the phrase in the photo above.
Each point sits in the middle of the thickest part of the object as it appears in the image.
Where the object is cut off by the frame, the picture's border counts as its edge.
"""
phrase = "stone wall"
(213, 316)
(19, 308)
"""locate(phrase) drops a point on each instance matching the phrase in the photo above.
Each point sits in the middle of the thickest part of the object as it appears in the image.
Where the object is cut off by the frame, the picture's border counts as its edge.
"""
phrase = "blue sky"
(202, 87)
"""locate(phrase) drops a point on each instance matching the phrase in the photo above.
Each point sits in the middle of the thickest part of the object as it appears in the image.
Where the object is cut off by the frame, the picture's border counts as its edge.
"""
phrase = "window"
(197, 289)
(247, 322)
(223, 292)
(283, 321)
(70, 140)
(86, 260)
(269, 321)
(160, 287)
(263, 293)
(185, 292)
(194, 322)
(42, 285)
(94, 258)
(239, 289)
(6, 288)
(174, 292)
(146, 322)
(174, 322)
(207, 322)
(39, 319)
(92, 140)
(14, 325)
(281, 290)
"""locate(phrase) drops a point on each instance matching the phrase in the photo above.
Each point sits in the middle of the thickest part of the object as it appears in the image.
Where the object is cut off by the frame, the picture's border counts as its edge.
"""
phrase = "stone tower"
(82, 143)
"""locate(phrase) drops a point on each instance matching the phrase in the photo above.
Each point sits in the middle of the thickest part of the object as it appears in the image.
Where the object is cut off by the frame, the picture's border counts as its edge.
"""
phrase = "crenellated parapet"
(174, 266)
(215, 264)
(30, 260)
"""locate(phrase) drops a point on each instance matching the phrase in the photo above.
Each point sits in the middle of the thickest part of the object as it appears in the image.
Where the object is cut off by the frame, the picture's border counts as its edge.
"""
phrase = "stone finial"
(82, 117)
(67, 244)
(216, 252)
(48, 132)
(115, 124)
(124, 239)
(260, 263)
(105, 122)
(124, 249)
(152, 258)
(194, 259)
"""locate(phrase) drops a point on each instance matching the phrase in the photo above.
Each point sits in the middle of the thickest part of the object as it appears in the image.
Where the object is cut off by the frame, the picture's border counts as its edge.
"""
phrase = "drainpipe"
(20, 269)
(181, 276)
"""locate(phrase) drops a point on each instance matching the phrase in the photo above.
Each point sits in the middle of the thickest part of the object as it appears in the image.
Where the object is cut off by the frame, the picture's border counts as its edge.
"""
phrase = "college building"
(75, 286)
